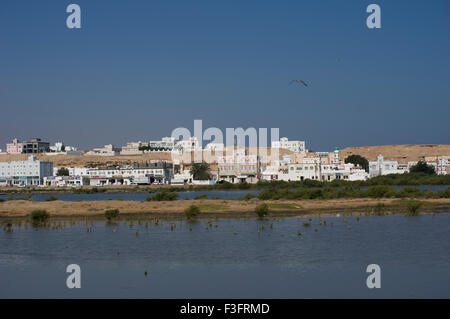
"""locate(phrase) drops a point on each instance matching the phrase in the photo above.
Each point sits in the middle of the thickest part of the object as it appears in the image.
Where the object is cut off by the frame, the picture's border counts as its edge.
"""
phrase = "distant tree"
(358, 160)
(63, 148)
(62, 172)
(201, 171)
(422, 167)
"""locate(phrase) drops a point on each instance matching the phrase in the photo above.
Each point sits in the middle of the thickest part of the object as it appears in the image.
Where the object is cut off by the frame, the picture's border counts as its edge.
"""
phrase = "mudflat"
(216, 207)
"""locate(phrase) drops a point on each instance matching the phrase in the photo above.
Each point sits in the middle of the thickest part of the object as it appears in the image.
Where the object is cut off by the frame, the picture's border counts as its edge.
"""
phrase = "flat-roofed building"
(34, 146)
(294, 146)
(25, 173)
(15, 147)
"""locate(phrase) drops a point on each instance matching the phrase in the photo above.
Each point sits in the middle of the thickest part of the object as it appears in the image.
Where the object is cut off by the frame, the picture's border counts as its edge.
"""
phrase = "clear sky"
(138, 69)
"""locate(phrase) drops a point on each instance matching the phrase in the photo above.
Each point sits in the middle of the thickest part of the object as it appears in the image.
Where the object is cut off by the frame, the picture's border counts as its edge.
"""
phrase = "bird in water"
(299, 81)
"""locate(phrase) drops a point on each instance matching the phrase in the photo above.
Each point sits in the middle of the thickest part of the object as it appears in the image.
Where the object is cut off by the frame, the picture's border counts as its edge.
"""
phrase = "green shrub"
(379, 209)
(247, 196)
(111, 213)
(379, 191)
(261, 210)
(192, 211)
(51, 199)
(267, 194)
(2, 200)
(39, 215)
(163, 196)
(204, 196)
(412, 207)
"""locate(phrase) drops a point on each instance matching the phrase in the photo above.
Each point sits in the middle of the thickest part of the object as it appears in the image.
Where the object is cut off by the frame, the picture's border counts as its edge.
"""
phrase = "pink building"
(15, 147)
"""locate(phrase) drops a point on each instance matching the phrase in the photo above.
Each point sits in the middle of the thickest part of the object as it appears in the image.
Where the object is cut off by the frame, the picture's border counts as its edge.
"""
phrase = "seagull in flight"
(299, 81)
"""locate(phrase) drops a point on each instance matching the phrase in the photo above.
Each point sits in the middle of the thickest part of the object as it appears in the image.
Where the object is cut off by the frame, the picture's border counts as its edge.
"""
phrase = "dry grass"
(18, 208)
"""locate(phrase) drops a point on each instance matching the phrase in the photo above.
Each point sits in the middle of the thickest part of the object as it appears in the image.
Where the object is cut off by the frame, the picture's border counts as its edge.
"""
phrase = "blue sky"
(138, 69)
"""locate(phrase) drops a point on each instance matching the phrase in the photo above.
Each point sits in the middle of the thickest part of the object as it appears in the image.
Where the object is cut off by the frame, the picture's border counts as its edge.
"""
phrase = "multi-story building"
(308, 169)
(15, 147)
(139, 173)
(34, 146)
(239, 167)
(294, 146)
(25, 173)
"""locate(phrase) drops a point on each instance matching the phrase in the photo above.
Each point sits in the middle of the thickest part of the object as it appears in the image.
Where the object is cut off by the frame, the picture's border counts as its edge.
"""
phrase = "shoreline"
(217, 208)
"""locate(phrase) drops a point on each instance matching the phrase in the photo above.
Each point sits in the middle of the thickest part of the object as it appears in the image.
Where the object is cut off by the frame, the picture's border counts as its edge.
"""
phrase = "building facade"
(239, 167)
(294, 146)
(383, 167)
(107, 150)
(34, 146)
(25, 173)
(15, 147)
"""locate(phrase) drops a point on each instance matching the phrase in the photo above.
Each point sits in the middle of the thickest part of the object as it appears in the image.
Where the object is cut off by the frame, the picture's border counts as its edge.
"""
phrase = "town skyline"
(165, 65)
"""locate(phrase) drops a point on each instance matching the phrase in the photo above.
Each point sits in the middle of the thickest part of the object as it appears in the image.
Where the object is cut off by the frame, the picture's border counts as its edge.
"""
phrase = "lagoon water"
(222, 194)
(232, 260)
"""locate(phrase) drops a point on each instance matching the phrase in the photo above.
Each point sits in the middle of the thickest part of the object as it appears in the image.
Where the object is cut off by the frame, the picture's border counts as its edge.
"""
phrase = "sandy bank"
(219, 208)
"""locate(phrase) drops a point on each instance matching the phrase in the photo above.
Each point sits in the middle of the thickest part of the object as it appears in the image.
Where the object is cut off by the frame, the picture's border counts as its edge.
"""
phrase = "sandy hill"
(400, 153)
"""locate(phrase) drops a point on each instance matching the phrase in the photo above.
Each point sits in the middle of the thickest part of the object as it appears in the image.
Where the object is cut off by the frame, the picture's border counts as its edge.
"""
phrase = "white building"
(382, 167)
(66, 181)
(73, 171)
(165, 144)
(133, 148)
(107, 150)
(25, 173)
(189, 145)
(238, 167)
(347, 171)
(308, 169)
(60, 149)
(294, 146)
(141, 173)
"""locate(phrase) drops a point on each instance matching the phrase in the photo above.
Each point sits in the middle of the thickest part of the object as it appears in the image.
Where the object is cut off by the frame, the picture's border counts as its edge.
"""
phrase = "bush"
(192, 211)
(247, 196)
(1, 200)
(111, 213)
(163, 196)
(204, 196)
(380, 191)
(261, 210)
(51, 199)
(379, 209)
(267, 194)
(412, 207)
(39, 215)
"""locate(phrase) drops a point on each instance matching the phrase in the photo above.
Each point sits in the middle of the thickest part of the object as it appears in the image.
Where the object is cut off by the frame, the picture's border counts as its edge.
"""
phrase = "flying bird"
(299, 81)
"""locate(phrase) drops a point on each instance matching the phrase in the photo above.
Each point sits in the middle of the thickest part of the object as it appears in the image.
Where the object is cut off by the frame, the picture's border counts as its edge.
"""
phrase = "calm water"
(233, 260)
(225, 194)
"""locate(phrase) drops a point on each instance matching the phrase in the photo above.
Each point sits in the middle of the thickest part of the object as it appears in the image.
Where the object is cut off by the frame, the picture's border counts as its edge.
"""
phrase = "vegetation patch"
(284, 206)
(192, 211)
(111, 213)
(262, 210)
(51, 198)
(212, 207)
(204, 196)
(38, 216)
(163, 195)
